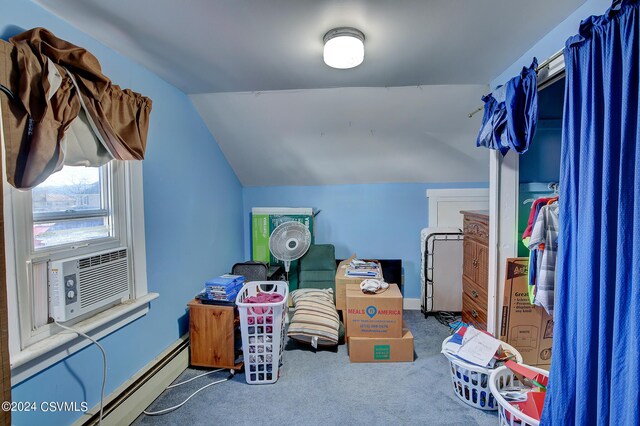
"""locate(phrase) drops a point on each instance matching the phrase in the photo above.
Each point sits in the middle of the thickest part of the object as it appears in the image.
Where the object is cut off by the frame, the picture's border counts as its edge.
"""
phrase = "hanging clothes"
(533, 259)
(535, 208)
(595, 369)
(544, 243)
(511, 113)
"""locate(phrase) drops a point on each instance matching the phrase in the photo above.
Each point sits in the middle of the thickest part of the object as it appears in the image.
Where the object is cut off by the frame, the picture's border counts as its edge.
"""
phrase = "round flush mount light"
(343, 48)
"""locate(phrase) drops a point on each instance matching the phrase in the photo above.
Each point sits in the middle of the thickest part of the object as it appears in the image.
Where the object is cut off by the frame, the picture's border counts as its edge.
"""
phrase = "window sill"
(49, 351)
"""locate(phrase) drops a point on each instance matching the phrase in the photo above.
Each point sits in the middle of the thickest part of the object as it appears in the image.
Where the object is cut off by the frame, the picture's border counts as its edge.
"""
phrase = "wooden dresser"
(215, 336)
(475, 268)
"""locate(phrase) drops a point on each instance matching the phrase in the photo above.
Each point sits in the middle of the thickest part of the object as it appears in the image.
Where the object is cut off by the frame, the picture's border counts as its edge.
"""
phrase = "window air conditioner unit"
(84, 284)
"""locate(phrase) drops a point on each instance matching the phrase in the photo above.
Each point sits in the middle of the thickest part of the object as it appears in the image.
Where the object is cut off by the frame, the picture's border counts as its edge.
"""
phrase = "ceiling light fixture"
(343, 48)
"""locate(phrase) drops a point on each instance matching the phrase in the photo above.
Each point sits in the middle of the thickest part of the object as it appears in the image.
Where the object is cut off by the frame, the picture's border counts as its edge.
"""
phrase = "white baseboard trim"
(128, 401)
(411, 304)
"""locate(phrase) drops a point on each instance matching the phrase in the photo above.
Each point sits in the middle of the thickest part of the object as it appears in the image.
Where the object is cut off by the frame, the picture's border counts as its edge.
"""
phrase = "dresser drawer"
(475, 292)
(476, 227)
(473, 314)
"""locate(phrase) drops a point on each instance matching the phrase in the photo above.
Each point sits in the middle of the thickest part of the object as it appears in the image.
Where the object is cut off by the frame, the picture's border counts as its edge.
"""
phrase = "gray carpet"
(324, 388)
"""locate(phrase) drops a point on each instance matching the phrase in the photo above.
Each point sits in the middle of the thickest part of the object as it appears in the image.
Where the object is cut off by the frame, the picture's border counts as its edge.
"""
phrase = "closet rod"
(541, 66)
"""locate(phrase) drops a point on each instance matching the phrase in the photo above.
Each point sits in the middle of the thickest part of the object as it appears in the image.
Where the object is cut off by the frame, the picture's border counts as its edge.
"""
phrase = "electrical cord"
(175, 407)
(8, 92)
(104, 364)
(193, 378)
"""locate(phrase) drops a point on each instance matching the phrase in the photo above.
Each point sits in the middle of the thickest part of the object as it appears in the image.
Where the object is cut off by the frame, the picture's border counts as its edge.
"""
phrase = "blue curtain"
(595, 374)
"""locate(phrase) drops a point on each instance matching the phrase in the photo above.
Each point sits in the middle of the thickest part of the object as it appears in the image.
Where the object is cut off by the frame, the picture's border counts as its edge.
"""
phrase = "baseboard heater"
(121, 396)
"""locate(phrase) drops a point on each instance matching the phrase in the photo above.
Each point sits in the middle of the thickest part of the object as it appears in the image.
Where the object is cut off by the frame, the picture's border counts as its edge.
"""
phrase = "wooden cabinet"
(475, 268)
(214, 333)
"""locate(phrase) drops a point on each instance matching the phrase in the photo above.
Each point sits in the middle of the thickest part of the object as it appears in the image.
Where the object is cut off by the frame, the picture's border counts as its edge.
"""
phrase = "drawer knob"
(474, 313)
(474, 294)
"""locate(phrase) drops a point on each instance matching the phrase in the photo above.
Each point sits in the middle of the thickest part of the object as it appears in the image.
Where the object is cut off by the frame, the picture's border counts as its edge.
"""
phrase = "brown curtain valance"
(53, 80)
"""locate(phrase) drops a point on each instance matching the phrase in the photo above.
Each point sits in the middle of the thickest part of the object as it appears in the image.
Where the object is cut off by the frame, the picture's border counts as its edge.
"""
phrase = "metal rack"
(429, 287)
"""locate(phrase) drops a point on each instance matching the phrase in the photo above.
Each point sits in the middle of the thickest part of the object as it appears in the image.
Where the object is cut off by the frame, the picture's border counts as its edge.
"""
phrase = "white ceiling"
(282, 117)
(204, 46)
(348, 135)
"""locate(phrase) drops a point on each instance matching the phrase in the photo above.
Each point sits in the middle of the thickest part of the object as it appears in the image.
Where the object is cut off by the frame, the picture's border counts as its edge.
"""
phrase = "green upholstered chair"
(318, 267)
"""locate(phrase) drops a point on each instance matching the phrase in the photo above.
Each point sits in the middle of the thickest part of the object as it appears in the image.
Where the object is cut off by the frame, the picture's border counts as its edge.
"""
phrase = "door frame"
(504, 182)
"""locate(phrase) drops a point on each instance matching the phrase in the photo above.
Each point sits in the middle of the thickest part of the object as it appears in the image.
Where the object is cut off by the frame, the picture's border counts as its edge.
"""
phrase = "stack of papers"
(474, 346)
(363, 268)
(362, 264)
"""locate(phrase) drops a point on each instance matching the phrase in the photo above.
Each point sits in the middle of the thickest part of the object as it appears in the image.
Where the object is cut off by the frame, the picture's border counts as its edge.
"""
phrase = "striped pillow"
(315, 317)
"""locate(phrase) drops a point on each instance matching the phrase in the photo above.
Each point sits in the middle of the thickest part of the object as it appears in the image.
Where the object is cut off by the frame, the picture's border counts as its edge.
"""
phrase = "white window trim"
(27, 361)
(53, 349)
(25, 254)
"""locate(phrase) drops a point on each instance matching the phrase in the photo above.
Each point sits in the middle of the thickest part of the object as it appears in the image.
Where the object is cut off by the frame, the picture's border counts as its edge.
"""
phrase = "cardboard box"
(363, 349)
(374, 315)
(526, 327)
(344, 282)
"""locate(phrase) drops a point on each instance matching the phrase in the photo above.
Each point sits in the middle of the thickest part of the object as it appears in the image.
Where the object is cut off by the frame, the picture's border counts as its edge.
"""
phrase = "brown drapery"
(35, 126)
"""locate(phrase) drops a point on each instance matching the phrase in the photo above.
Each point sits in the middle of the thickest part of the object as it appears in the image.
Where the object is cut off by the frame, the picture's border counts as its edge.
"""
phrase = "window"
(76, 212)
(71, 207)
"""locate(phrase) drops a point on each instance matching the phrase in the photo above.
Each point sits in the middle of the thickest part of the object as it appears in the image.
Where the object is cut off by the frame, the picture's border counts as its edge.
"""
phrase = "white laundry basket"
(262, 326)
(471, 382)
(510, 415)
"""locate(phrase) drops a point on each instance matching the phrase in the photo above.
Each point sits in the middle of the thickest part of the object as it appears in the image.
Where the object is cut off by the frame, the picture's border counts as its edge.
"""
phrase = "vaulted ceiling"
(226, 51)
(348, 135)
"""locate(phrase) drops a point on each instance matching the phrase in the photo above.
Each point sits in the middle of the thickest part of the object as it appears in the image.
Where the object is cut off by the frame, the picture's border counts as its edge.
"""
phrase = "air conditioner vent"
(88, 262)
(103, 282)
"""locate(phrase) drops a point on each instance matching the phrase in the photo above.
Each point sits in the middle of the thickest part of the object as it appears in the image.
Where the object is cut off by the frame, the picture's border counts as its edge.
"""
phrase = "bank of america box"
(265, 219)
(344, 281)
(382, 349)
(374, 315)
(526, 327)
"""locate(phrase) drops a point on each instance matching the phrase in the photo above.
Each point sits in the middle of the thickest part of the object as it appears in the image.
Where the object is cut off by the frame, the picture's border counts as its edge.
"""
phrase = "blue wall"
(193, 219)
(541, 163)
(554, 40)
(373, 221)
